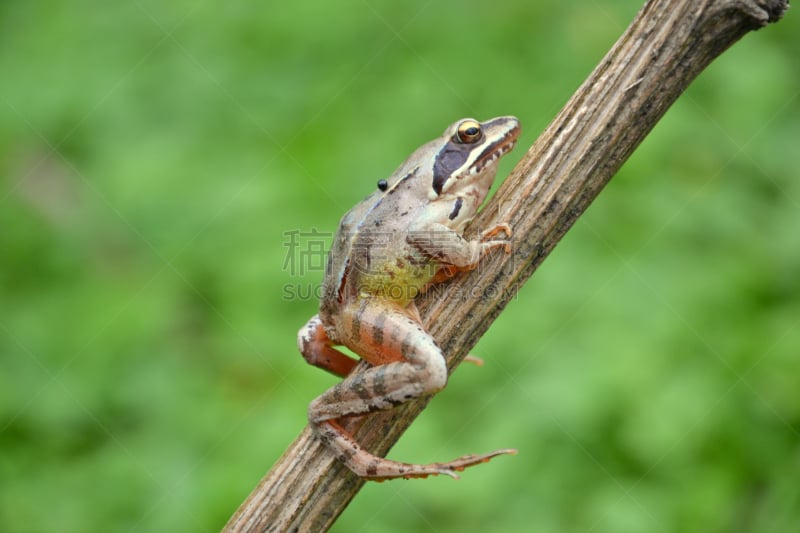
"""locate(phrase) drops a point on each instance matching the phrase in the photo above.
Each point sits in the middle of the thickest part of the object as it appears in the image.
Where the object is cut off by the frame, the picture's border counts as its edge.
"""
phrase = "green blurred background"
(155, 157)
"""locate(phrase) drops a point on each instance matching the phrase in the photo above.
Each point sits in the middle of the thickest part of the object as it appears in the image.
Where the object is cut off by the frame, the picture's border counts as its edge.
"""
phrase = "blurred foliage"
(155, 156)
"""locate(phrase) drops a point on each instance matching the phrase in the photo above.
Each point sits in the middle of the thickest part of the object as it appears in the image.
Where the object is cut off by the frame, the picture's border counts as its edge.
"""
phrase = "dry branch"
(666, 46)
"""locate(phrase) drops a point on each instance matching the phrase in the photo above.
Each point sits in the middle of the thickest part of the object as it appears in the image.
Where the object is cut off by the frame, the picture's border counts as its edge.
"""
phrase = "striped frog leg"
(407, 364)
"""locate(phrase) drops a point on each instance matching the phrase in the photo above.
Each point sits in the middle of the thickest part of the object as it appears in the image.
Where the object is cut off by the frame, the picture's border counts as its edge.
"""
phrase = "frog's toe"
(503, 227)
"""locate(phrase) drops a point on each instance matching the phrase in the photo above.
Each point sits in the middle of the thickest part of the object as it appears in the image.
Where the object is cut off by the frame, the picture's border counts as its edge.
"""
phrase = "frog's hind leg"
(372, 467)
(317, 349)
(407, 365)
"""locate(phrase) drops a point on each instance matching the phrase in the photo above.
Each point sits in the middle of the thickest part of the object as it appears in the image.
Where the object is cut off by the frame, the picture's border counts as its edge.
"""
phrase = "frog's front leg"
(452, 251)
(407, 365)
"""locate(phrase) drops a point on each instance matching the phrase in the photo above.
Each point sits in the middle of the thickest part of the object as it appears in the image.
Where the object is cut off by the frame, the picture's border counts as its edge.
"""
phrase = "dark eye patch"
(449, 158)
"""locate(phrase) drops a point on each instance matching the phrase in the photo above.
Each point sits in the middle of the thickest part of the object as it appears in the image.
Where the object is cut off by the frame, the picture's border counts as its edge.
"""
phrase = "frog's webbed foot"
(369, 466)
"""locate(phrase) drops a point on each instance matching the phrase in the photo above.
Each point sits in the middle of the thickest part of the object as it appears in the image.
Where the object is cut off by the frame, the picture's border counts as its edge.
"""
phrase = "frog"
(405, 237)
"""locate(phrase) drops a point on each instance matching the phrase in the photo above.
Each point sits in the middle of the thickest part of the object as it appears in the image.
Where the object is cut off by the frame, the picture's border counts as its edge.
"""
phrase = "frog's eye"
(468, 132)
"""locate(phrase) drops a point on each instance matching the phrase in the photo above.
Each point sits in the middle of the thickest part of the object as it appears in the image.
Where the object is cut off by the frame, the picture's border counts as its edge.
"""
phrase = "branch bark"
(666, 46)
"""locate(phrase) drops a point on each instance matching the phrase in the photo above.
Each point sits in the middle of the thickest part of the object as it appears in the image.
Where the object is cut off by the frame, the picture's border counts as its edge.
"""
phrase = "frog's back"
(370, 249)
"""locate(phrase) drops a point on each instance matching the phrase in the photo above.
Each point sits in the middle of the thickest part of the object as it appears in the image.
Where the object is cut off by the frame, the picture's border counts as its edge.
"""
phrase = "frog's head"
(468, 153)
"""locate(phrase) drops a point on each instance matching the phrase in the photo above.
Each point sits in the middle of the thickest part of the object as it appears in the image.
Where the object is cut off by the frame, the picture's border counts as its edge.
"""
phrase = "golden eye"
(468, 132)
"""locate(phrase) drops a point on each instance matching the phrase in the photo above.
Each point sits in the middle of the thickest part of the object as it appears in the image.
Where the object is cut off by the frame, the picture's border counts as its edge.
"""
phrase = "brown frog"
(401, 239)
